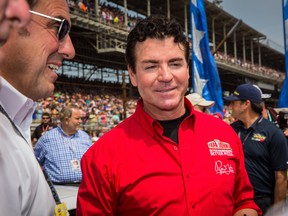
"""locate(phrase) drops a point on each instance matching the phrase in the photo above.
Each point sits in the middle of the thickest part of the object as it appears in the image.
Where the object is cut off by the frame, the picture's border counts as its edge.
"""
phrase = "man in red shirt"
(166, 159)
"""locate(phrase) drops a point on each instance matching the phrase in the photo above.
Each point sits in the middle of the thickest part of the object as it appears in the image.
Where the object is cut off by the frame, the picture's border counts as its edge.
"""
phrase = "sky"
(264, 16)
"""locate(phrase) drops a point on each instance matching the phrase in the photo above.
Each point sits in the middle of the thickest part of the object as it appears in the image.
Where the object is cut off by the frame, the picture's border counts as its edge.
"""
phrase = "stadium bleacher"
(100, 39)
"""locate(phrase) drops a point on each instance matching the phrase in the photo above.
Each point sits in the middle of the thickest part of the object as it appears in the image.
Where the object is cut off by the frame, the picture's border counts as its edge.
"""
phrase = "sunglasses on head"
(64, 27)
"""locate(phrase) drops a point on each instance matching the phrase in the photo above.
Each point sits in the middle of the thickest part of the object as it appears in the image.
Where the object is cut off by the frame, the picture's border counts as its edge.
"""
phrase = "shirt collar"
(253, 126)
(143, 116)
(19, 108)
(258, 120)
(15, 103)
(65, 135)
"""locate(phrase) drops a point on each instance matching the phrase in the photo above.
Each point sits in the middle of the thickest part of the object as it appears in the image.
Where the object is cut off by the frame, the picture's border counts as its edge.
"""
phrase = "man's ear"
(132, 76)
(247, 103)
(66, 119)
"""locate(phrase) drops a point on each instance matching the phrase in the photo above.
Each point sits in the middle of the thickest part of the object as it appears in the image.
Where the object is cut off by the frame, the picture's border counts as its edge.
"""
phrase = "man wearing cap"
(199, 103)
(265, 146)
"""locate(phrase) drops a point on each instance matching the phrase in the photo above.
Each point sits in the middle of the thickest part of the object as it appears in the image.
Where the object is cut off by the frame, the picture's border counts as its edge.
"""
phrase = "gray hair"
(66, 112)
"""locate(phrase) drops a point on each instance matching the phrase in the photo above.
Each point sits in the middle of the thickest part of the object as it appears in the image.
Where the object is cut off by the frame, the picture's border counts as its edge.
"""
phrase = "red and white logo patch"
(218, 148)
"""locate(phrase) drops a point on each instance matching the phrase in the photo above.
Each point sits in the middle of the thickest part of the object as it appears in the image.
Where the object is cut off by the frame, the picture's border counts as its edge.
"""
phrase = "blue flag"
(283, 99)
(205, 77)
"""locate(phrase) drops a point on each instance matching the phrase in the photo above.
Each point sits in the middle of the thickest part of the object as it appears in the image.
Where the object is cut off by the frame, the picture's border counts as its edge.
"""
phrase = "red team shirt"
(134, 170)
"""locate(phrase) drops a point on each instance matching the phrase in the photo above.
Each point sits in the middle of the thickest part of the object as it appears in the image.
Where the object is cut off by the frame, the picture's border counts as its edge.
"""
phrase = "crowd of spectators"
(100, 112)
(262, 70)
(106, 13)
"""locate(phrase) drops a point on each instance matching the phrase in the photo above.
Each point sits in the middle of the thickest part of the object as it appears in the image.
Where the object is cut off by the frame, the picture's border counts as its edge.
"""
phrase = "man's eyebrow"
(176, 59)
(151, 61)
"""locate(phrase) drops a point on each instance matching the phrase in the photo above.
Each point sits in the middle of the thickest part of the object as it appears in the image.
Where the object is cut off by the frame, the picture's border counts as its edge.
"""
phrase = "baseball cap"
(197, 99)
(263, 96)
(246, 92)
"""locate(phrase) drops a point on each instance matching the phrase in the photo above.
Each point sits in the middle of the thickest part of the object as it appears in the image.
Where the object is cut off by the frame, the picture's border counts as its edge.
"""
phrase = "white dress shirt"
(23, 188)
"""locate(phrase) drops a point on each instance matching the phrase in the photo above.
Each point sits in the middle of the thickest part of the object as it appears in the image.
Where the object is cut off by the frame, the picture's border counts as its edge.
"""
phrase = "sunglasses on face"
(64, 27)
(45, 118)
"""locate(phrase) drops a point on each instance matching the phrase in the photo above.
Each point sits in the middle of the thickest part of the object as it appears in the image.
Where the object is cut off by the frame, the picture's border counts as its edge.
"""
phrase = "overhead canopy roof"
(270, 57)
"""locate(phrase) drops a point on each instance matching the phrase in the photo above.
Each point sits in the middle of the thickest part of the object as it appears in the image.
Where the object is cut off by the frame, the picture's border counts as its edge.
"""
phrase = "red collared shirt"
(134, 170)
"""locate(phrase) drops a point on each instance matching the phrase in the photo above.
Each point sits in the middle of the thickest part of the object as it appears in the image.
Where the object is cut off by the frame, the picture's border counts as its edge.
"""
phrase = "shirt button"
(175, 148)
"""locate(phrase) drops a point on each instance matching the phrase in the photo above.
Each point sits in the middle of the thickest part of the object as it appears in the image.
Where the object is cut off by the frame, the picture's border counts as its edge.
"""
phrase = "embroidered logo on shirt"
(218, 148)
(223, 169)
(258, 137)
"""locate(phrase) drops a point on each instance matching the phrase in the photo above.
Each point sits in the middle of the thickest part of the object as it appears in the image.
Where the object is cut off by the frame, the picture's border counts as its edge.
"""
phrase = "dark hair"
(158, 27)
(257, 107)
(46, 114)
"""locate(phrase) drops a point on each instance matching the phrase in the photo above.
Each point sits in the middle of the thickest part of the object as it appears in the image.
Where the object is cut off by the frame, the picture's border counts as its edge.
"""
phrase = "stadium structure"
(242, 53)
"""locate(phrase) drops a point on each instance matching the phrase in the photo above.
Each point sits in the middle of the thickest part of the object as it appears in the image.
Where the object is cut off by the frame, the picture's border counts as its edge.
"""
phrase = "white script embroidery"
(223, 169)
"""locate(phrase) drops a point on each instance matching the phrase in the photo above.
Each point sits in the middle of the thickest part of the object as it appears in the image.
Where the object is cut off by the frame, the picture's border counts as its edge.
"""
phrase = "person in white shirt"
(30, 58)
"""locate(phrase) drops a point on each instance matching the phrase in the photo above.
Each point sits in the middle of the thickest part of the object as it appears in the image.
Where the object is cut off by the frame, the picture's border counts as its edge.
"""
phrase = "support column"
(125, 13)
(148, 8)
(185, 20)
(96, 8)
(213, 34)
(124, 94)
(259, 54)
(168, 8)
(252, 51)
(244, 49)
(235, 45)
(225, 43)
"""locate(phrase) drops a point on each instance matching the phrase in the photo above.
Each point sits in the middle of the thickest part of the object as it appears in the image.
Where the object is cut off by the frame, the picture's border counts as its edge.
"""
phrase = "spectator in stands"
(12, 14)
(54, 114)
(217, 115)
(199, 103)
(82, 6)
(27, 72)
(164, 159)
(265, 146)
(59, 150)
(41, 129)
(116, 20)
(261, 70)
(92, 123)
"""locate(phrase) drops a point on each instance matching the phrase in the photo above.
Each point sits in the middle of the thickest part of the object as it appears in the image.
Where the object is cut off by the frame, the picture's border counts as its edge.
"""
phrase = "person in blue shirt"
(59, 150)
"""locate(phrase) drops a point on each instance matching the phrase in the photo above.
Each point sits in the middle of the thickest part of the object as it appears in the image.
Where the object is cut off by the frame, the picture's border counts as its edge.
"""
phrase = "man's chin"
(46, 94)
